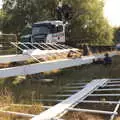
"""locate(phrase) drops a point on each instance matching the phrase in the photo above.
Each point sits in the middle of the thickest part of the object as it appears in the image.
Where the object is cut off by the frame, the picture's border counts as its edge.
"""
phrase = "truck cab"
(45, 32)
(48, 32)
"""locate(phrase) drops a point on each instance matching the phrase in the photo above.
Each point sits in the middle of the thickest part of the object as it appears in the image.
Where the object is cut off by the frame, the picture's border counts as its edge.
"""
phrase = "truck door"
(59, 36)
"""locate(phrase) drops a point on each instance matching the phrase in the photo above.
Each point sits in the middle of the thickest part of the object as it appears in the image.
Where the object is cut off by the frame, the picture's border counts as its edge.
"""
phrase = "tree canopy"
(87, 25)
(117, 35)
(90, 27)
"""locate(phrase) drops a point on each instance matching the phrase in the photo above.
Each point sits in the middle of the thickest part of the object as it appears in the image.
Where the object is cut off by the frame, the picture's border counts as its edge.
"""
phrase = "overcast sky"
(0, 3)
(111, 12)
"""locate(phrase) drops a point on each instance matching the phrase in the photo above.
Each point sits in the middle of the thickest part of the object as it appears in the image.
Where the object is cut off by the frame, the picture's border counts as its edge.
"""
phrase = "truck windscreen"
(40, 30)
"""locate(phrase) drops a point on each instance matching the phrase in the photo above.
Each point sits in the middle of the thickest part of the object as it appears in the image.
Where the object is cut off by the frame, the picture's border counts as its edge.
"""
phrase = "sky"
(0, 3)
(111, 11)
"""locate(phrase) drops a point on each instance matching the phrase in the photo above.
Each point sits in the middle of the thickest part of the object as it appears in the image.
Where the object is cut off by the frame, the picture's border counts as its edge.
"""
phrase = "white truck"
(46, 32)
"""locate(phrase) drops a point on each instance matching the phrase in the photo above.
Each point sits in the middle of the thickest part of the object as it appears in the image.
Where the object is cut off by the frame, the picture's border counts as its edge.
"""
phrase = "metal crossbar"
(19, 43)
(93, 111)
(113, 85)
(40, 46)
(32, 45)
(107, 95)
(43, 46)
(18, 114)
(115, 110)
(37, 49)
(100, 102)
(48, 100)
(112, 89)
(113, 82)
(23, 50)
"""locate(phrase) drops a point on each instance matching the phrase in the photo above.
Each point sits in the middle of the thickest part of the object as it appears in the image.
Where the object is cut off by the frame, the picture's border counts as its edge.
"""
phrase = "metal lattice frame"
(73, 88)
(79, 96)
(44, 66)
(35, 51)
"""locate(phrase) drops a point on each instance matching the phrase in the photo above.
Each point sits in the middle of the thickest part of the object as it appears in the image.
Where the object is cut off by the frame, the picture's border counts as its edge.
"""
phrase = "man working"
(107, 59)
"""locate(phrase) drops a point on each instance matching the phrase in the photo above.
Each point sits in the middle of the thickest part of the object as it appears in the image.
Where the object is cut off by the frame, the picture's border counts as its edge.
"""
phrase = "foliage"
(27, 11)
(90, 27)
(6, 97)
(117, 34)
(2, 16)
(21, 108)
(87, 25)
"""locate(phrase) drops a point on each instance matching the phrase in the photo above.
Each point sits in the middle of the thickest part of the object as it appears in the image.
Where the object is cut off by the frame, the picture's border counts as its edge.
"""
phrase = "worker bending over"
(107, 60)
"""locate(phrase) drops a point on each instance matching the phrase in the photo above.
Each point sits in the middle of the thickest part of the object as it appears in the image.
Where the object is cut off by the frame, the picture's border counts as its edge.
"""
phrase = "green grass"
(8, 51)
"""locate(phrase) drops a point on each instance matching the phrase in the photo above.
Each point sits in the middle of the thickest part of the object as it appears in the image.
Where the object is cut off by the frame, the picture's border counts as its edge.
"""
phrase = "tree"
(18, 16)
(117, 35)
(88, 24)
(26, 11)
(2, 16)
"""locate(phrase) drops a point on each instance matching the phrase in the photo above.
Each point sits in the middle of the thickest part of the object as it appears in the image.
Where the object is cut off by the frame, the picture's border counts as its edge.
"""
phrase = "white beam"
(114, 81)
(105, 95)
(43, 67)
(116, 109)
(47, 66)
(73, 87)
(13, 58)
(113, 85)
(100, 102)
(47, 100)
(71, 91)
(110, 89)
(27, 54)
(93, 111)
(18, 114)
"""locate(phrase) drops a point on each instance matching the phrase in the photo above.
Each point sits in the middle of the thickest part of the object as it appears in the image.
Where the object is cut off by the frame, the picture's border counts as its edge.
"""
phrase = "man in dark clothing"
(86, 50)
(107, 59)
